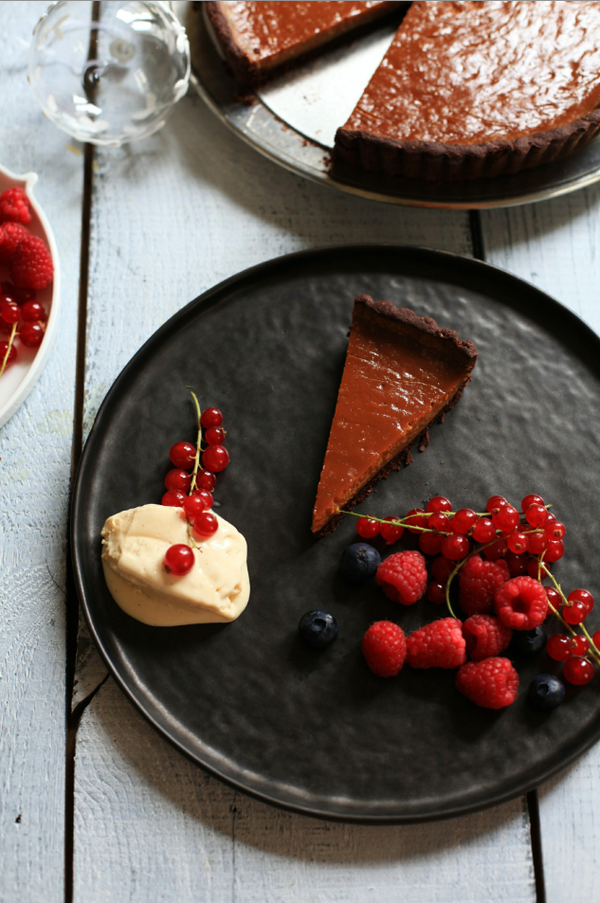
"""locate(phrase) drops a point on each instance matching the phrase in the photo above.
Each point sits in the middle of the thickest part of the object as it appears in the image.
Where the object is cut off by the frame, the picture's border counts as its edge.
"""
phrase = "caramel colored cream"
(134, 544)
(473, 72)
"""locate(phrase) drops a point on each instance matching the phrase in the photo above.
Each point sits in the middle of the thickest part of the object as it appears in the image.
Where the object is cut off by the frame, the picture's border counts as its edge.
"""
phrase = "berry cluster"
(501, 559)
(30, 266)
(190, 484)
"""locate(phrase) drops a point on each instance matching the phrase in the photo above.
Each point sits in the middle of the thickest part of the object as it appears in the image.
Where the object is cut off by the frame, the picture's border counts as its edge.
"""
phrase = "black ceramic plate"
(316, 731)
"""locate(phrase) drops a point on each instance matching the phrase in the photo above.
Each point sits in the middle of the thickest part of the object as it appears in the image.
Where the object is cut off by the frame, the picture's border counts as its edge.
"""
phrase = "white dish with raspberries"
(32, 336)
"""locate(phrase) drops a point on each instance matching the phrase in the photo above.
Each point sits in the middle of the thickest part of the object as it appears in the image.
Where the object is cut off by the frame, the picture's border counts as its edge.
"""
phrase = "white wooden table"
(94, 805)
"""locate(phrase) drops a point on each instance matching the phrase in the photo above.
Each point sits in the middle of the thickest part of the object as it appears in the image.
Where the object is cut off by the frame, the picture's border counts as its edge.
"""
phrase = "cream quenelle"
(134, 544)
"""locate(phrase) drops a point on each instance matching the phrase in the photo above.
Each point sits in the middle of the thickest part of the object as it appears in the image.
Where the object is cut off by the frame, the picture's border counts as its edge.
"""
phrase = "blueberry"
(545, 692)
(359, 562)
(529, 642)
(318, 628)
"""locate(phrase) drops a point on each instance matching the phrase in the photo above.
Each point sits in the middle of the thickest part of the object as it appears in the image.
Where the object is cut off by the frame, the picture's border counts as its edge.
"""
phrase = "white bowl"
(18, 380)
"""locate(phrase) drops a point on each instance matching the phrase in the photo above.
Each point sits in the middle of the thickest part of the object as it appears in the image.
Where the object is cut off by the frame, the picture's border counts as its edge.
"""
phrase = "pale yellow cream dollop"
(134, 544)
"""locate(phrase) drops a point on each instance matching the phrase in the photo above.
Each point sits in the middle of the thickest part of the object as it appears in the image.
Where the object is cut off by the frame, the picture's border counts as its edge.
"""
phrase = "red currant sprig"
(21, 317)
(198, 485)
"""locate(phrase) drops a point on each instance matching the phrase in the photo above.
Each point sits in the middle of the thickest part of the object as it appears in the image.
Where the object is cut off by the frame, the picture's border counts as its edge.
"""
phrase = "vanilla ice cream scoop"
(134, 544)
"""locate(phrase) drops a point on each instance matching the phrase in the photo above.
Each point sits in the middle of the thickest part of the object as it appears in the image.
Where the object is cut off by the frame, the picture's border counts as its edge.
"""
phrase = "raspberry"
(15, 206)
(440, 644)
(485, 636)
(31, 265)
(478, 581)
(403, 577)
(384, 648)
(11, 234)
(492, 683)
(521, 603)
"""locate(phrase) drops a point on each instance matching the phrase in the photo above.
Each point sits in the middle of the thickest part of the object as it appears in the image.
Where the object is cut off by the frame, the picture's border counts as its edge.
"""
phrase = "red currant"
(178, 479)
(517, 565)
(463, 520)
(215, 458)
(415, 518)
(506, 518)
(484, 530)
(18, 294)
(580, 645)
(575, 613)
(211, 417)
(441, 568)
(495, 503)
(194, 505)
(32, 334)
(174, 498)
(391, 532)
(533, 567)
(554, 597)
(206, 480)
(9, 311)
(439, 503)
(555, 550)
(33, 311)
(496, 550)
(439, 522)
(582, 595)
(538, 543)
(558, 647)
(455, 546)
(179, 559)
(536, 515)
(183, 454)
(555, 530)
(578, 671)
(596, 639)
(206, 524)
(206, 496)
(214, 435)
(517, 542)
(367, 528)
(531, 500)
(12, 354)
(430, 543)
(436, 592)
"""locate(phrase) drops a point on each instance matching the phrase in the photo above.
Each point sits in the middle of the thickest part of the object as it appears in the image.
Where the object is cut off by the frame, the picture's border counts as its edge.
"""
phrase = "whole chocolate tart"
(261, 38)
(402, 372)
(476, 89)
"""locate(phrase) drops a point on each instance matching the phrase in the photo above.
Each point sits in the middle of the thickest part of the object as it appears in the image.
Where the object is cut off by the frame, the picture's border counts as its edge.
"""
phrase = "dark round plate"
(316, 731)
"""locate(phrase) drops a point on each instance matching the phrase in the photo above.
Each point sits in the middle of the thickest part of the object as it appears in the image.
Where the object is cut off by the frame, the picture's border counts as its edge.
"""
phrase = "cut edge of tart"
(402, 372)
(250, 65)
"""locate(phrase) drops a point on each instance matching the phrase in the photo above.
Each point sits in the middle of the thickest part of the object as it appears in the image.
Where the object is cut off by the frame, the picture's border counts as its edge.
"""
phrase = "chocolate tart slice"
(476, 89)
(401, 373)
(261, 38)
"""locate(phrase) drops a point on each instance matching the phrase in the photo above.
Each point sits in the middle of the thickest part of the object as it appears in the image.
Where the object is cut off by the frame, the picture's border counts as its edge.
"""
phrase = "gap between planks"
(73, 716)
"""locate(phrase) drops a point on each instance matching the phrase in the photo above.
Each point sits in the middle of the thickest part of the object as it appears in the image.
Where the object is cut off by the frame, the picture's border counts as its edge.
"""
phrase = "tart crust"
(402, 373)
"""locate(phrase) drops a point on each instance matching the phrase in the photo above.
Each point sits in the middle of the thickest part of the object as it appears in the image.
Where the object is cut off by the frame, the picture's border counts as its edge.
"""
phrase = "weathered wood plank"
(554, 245)
(173, 216)
(35, 448)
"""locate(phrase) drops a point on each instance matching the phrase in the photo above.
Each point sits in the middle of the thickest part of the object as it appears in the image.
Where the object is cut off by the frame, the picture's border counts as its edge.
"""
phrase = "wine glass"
(109, 72)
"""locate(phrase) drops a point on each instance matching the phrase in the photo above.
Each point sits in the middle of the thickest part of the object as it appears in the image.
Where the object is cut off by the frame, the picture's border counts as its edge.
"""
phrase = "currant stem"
(10, 344)
(594, 651)
(198, 446)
